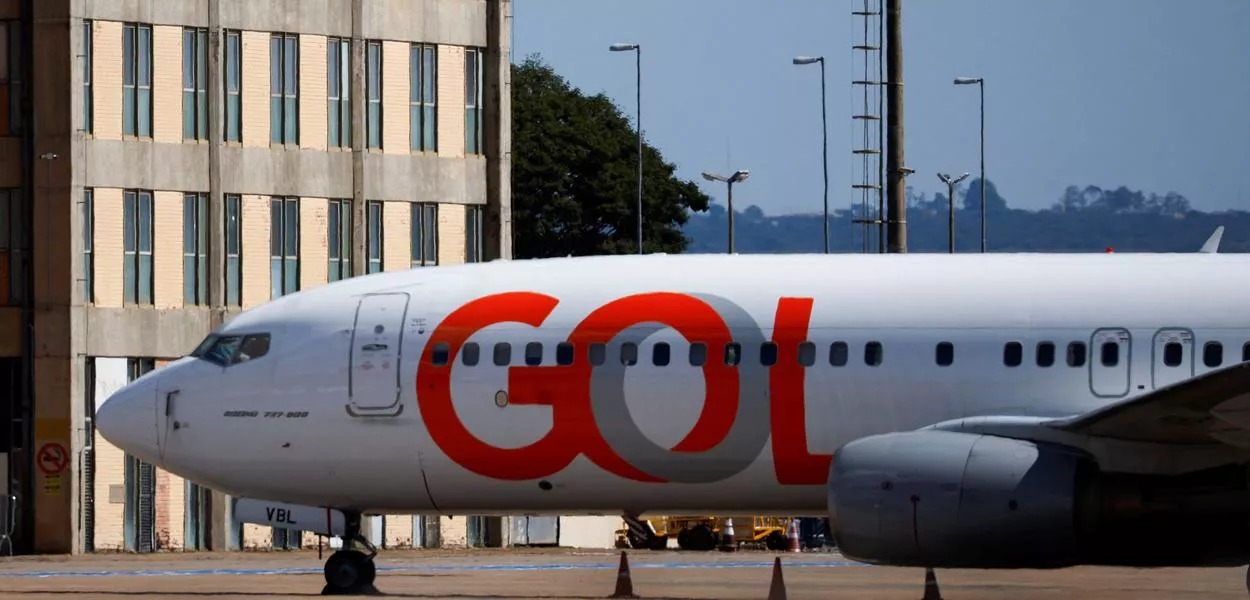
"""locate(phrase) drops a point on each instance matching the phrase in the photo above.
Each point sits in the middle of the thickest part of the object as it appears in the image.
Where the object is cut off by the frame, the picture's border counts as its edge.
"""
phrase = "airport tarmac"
(569, 573)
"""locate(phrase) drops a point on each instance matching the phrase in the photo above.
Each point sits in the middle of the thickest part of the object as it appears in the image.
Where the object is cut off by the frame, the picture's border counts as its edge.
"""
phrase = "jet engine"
(960, 500)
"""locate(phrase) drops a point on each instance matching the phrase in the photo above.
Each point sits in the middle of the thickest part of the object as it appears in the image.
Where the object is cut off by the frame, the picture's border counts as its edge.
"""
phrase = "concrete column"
(359, 105)
(498, 139)
(57, 387)
(216, 201)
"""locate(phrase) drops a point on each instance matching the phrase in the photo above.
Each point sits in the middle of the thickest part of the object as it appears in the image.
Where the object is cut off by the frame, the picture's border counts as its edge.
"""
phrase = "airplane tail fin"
(1213, 242)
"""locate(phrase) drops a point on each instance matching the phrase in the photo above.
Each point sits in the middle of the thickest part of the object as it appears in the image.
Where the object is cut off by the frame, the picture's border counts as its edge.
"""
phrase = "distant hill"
(1086, 219)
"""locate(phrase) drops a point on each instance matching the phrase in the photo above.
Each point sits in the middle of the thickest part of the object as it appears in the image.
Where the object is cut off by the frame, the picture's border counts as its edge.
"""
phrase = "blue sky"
(1151, 94)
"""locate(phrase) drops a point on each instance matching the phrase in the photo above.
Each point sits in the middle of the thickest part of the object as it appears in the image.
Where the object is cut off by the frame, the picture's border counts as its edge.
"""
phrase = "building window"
(339, 240)
(423, 238)
(88, 98)
(474, 249)
(137, 80)
(234, 233)
(283, 89)
(284, 246)
(373, 92)
(195, 249)
(338, 92)
(233, 131)
(137, 245)
(473, 100)
(194, 84)
(10, 78)
(373, 247)
(422, 94)
(12, 247)
(88, 245)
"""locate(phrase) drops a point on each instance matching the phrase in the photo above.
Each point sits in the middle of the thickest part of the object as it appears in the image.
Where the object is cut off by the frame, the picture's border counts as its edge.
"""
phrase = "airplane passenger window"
(945, 354)
(733, 353)
(660, 354)
(441, 353)
(254, 346)
(807, 354)
(1076, 354)
(1245, 352)
(597, 353)
(838, 354)
(1045, 354)
(768, 354)
(698, 354)
(534, 354)
(470, 354)
(503, 354)
(1013, 354)
(564, 353)
(629, 354)
(873, 354)
(1110, 354)
(1213, 354)
(1173, 353)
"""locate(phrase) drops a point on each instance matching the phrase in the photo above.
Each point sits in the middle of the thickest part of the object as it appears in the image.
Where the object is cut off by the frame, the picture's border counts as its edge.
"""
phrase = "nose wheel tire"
(349, 572)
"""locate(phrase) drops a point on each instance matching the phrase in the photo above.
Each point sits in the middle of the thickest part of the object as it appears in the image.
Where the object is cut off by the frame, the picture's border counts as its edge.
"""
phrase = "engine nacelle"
(946, 499)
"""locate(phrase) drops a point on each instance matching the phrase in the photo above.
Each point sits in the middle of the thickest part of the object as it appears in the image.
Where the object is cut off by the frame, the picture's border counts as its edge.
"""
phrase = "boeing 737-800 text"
(992, 411)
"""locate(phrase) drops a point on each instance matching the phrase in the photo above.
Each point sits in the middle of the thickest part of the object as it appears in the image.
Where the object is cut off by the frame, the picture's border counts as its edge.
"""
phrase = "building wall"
(102, 159)
(589, 532)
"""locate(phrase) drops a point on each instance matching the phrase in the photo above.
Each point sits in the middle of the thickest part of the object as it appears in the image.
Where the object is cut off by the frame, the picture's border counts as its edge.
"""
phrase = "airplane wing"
(1211, 408)
(1213, 243)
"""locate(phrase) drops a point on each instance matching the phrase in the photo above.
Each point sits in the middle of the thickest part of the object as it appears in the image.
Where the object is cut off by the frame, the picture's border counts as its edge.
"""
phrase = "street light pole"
(980, 82)
(824, 122)
(950, 199)
(739, 175)
(638, 88)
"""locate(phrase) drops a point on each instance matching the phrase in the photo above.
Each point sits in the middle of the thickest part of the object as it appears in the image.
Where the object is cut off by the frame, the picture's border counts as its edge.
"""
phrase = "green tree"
(574, 175)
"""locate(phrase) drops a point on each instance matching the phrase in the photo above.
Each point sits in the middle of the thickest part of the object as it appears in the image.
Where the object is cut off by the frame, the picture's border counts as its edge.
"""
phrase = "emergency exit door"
(1173, 359)
(1110, 361)
(376, 354)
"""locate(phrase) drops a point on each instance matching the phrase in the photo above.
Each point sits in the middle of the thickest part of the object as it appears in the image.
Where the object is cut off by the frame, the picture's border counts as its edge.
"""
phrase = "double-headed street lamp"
(638, 68)
(950, 198)
(807, 60)
(740, 175)
(980, 82)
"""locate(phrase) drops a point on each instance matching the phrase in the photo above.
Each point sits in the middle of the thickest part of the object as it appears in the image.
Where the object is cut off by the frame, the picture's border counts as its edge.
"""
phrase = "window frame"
(474, 73)
(339, 242)
(284, 268)
(195, 83)
(136, 293)
(11, 82)
(474, 245)
(87, 216)
(14, 246)
(284, 89)
(373, 106)
(375, 236)
(232, 109)
(233, 203)
(338, 92)
(88, 76)
(423, 97)
(195, 251)
(423, 234)
(137, 67)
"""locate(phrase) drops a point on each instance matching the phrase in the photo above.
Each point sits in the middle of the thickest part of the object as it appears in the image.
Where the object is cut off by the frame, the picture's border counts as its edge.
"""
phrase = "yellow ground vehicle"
(702, 532)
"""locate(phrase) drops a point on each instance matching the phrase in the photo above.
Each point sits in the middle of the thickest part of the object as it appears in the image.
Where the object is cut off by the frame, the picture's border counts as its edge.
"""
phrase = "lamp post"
(739, 175)
(950, 198)
(638, 72)
(980, 82)
(807, 60)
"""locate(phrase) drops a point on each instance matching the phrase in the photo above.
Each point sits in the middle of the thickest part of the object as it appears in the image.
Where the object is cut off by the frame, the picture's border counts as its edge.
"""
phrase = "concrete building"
(165, 164)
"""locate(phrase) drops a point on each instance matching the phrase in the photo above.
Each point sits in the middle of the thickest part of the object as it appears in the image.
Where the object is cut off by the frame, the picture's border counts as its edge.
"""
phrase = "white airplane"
(972, 411)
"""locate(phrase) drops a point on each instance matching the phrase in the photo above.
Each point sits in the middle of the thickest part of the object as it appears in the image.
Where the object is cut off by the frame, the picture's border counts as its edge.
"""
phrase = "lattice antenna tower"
(868, 98)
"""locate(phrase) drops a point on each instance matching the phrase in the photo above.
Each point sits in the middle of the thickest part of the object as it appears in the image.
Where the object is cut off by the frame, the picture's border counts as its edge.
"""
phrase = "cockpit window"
(226, 350)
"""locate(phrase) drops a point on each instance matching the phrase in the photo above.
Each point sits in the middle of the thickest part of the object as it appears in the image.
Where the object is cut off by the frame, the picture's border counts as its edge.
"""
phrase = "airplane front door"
(376, 353)
(1110, 358)
(1173, 359)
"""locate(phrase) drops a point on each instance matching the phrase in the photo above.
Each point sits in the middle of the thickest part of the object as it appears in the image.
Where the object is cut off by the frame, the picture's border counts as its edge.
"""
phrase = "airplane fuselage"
(668, 383)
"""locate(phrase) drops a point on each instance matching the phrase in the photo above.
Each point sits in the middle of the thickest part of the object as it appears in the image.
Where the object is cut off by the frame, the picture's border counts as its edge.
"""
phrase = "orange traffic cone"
(793, 534)
(777, 591)
(624, 583)
(931, 591)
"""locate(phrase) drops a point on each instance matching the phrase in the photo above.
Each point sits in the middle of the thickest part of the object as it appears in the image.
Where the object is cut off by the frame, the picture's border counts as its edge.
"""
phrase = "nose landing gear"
(350, 571)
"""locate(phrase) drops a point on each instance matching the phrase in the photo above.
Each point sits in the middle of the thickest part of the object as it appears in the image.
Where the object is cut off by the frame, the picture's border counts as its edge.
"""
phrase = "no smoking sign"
(52, 458)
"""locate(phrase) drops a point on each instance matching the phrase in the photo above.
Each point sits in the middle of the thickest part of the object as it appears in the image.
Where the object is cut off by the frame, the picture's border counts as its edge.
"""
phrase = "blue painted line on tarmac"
(418, 569)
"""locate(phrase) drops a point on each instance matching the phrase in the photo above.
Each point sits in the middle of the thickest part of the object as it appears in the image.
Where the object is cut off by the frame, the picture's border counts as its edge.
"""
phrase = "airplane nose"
(127, 419)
